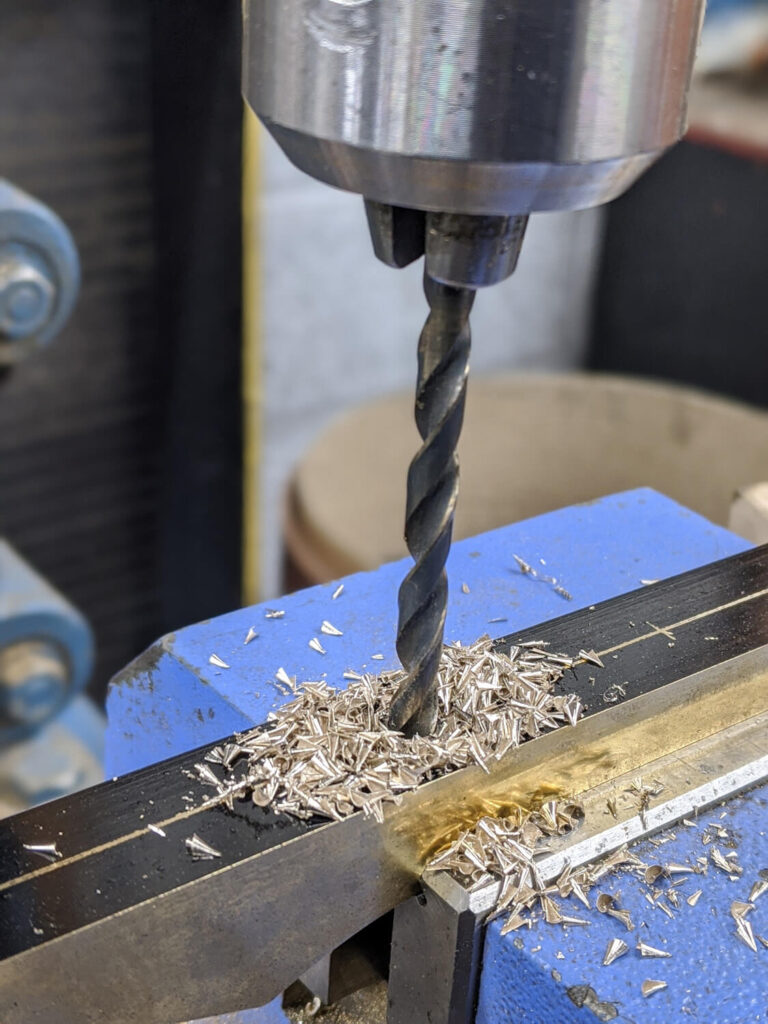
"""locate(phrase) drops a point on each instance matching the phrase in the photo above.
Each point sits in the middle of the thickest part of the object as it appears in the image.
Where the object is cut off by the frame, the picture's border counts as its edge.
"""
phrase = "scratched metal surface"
(173, 699)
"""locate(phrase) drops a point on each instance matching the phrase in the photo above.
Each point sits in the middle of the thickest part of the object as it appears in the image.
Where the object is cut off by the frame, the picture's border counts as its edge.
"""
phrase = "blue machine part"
(717, 7)
(39, 274)
(33, 612)
(174, 698)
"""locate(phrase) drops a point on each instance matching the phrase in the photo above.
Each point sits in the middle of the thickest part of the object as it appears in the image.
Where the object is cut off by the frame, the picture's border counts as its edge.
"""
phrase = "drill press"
(456, 119)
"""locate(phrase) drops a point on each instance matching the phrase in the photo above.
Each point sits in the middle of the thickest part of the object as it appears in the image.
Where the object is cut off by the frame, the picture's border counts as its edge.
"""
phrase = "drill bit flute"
(462, 253)
(433, 486)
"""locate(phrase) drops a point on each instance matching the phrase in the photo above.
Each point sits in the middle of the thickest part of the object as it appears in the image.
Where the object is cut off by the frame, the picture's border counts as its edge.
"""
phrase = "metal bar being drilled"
(433, 484)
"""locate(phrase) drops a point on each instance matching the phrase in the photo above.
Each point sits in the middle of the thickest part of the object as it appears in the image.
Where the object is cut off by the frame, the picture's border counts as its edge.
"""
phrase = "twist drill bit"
(433, 483)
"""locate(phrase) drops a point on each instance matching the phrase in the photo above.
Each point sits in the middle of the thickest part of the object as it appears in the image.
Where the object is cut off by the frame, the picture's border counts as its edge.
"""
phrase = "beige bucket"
(530, 444)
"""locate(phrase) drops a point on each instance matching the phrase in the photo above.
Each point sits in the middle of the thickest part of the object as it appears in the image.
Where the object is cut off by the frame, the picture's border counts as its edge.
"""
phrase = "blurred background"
(201, 432)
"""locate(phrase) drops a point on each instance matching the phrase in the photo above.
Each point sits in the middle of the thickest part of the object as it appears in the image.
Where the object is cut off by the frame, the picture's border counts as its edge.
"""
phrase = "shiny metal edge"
(438, 185)
(694, 778)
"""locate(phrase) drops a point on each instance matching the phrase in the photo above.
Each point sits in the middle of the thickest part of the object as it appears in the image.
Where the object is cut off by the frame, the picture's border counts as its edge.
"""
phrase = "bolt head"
(27, 293)
(34, 680)
(32, 701)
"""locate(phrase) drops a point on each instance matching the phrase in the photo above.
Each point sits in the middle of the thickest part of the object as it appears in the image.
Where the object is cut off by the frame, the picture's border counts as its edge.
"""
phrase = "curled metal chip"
(649, 987)
(650, 951)
(615, 949)
(48, 851)
(199, 849)
(329, 629)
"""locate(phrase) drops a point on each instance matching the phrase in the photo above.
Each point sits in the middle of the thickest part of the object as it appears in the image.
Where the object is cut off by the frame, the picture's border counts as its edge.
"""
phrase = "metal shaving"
(592, 657)
(650, 951)
(745, 933)
(679, 869)
(607, 904)
(740, 909)
(315, 644)
(250, 635)
(217, 661)
(337, 592)
(727, 863)
(199, 849)
(614, 694)
(506, 849)
(330, 753)
(528, 570)
(330, 630)
(282, 677)
(273, 613)
(157, 830)
(652, 873)
(649, 987)
(615, 949)
(48, 851)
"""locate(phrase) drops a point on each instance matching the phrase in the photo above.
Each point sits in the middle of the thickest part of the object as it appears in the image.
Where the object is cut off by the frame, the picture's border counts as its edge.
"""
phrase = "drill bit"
(433, 483)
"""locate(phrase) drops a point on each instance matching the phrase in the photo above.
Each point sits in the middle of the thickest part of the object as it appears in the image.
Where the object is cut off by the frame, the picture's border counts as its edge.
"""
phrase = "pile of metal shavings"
(506, 850)
(330, 752)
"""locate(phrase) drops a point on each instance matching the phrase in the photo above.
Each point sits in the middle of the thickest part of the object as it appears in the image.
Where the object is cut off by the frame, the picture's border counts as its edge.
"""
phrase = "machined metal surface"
(284, 892)
(472, 106)
(472, 252)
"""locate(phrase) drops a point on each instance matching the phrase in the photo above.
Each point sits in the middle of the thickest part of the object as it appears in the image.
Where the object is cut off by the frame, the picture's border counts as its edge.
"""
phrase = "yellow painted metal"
(252, 357)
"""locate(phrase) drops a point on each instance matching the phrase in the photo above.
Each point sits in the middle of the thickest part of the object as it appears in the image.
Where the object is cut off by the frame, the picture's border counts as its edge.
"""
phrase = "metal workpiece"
(46, 649)
(277, 893)
(437, 945)
(433, 485)
(472, 106)
(39, 274)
